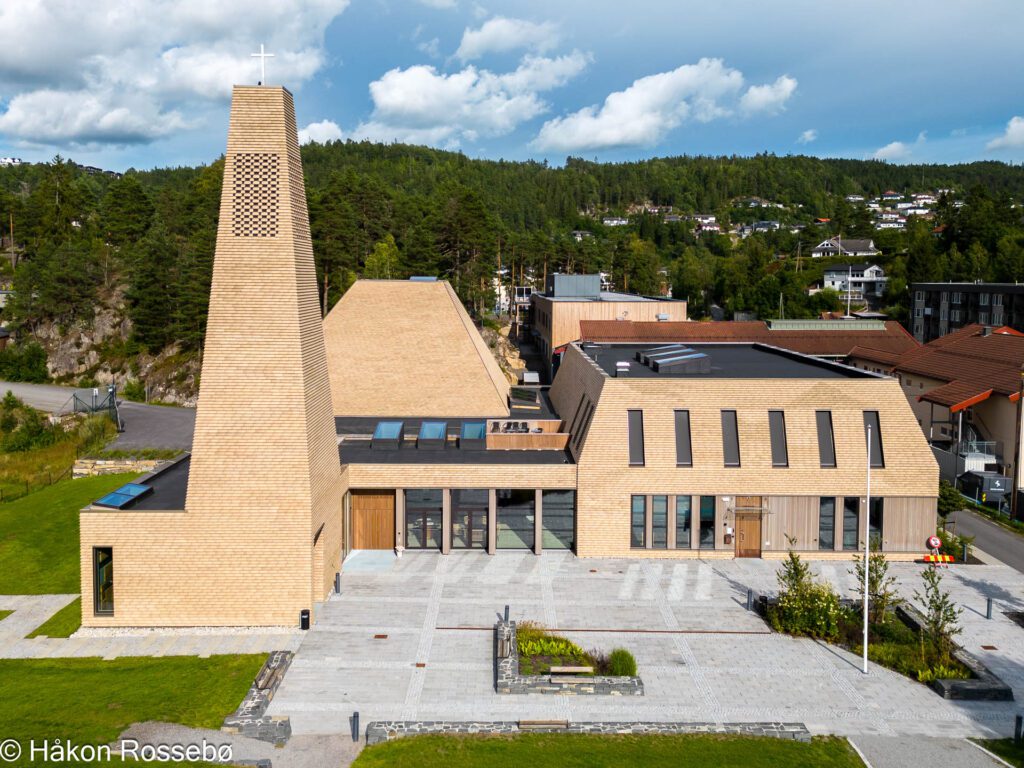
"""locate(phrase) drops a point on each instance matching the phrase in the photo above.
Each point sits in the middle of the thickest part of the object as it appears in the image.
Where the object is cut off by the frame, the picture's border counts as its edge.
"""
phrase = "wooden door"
(748, 535)
(373, 519)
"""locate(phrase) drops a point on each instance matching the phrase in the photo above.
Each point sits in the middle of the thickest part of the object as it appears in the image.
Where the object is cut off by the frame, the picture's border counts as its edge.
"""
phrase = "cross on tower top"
(262, 56)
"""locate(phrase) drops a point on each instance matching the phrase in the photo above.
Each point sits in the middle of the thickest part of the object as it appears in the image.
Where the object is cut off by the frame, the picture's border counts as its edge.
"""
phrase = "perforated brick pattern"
(254, 212)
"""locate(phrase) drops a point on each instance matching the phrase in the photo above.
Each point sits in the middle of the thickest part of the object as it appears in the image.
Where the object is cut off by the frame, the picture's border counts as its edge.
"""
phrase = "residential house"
(859, 282)
(849, 247)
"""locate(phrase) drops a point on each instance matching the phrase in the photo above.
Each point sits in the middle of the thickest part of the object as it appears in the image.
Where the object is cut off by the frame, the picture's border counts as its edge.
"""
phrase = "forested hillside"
(112, 274)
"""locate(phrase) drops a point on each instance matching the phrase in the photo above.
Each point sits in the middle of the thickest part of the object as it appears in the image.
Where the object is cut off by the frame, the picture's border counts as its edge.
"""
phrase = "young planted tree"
(941, 616)
(882, 595)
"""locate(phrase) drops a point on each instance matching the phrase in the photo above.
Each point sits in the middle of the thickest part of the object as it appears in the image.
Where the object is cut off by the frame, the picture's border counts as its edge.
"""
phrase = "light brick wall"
(264, 470)
(606, 481)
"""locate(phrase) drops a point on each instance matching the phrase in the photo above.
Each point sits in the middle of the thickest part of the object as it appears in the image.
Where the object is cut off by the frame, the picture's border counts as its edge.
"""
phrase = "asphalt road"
(993, 539)
(145, 426)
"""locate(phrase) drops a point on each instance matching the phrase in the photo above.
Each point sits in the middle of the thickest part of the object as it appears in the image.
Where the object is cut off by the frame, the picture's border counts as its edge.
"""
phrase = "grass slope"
(92, 701)
(586, 751)
(63, 623)
(39, 536)
(1006, 749)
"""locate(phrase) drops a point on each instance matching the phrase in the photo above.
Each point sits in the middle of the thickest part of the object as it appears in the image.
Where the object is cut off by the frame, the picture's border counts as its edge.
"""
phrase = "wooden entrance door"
(748, 526)
(373, 519)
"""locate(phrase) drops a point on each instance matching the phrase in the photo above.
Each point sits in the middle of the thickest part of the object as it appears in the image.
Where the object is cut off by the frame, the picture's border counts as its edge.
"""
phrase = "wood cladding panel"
(373, 519)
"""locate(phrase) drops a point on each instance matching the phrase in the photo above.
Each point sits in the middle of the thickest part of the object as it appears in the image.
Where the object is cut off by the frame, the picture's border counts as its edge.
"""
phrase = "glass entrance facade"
(423, 515)
(469, 518)
(516, 518)
(558, 519)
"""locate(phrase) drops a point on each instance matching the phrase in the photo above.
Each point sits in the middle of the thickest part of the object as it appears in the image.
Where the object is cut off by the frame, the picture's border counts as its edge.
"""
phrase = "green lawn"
(63, 623)
(92, 701)
(1006, 749)
(5, 614)
(586, 751)
(39, 536)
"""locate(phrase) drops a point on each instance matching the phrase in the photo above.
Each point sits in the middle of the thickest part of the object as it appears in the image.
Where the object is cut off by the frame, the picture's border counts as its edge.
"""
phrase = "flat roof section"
(728, 361)
(359, 452)
(168, 483)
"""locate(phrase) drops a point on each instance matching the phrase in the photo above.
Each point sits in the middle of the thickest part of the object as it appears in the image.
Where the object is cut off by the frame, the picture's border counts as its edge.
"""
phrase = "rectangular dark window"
(469, 518)
(707, 522)
(516, 518)
(558, 521)
(684, 456)
(827, 522)
(636, 438)
(659, 522)
(423, 514)
(871, 420)
(103, 581)
(777, 430)
(683, 522)
(851, 522)
(826, 442)
(875, 518)
(638, 522)
(730, 439)
(584, 425)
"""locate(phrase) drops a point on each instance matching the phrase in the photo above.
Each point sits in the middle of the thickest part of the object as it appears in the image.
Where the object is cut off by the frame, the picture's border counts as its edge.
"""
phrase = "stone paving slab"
(910, 752)
(696, 667)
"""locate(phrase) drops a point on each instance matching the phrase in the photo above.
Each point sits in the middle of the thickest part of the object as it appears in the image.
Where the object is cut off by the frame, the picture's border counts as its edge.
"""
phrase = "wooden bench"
(542, 725)
(572, 670)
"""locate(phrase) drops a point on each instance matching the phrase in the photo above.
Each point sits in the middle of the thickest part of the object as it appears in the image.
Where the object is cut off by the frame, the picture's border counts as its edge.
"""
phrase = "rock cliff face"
(98, 351)
(505, 352)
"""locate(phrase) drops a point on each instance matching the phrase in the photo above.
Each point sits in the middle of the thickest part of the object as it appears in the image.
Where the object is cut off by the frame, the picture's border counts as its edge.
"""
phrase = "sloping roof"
(823, 343)
(409, 348)
(850, 245)
(974, 365)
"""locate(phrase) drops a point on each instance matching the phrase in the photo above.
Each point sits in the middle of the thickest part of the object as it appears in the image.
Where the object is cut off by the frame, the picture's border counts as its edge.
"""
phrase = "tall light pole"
(867, 548)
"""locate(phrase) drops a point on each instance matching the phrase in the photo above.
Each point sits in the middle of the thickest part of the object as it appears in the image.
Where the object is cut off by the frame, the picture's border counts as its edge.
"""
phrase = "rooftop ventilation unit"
(645, 355)
(622, 369)
(689, 362)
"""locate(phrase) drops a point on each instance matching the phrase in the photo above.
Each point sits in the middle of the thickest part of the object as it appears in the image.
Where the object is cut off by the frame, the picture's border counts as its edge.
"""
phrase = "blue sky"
(146, 83)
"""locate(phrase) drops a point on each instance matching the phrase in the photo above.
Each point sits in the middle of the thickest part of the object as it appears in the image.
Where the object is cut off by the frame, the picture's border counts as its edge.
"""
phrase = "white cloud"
(439, 4)
(769, 98)
(321, 133)
(643, 113)
(1013, 138)
(894, 151)
(808, 136)
(431, 48)
(424, 106)
(46, 117)
(500, 35)
(159, 57)
(898, 151)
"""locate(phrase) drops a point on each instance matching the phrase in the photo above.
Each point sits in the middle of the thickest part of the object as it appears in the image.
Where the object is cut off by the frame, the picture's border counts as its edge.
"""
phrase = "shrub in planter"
(811, 610)
(621, 662)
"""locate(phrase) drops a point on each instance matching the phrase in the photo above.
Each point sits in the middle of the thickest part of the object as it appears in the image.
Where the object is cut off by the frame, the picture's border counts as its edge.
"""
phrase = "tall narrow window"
(516, 518)
(826, 443)
(851, 522)
(659, 522)
(684, 456)
(683, 522)
(707, 522)
(469, 518)
(636, 438)
(584, 424)
(558, 522)
(875, 519)
(638, 522)
(827, 522)
(423, 514)
(777, 430)
(871, 420)
(730, 439)
(103, 581)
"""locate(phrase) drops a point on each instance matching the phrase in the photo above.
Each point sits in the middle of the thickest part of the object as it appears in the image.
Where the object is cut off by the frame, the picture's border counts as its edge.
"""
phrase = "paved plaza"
(411, 638)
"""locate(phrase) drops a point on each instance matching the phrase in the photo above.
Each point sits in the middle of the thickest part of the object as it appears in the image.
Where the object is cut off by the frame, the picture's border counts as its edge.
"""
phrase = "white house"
(615, 221)
(841, 246)
(861, 281)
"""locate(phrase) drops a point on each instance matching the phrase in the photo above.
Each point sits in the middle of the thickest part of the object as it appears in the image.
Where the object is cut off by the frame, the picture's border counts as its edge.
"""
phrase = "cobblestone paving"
(702, 656)
(31, 611)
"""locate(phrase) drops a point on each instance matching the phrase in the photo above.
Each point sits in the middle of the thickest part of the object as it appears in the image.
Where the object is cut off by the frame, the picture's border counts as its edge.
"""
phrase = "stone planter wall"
(508, 679)
(250, 719)
(377, 732)
(93, 467)
(984, 686)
